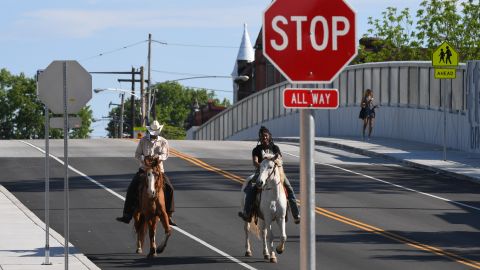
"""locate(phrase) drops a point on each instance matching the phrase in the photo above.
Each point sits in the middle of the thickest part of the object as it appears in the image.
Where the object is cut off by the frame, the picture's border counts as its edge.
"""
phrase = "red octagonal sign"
(309, 41)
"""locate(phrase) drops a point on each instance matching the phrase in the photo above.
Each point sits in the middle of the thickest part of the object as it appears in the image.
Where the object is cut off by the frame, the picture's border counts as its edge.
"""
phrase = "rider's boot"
(170, 219)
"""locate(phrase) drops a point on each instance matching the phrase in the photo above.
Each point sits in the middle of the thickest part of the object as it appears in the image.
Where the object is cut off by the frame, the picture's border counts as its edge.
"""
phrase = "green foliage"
(83, 132)
(22, 115)
(173, 133)
(174, 106)
(394, 37)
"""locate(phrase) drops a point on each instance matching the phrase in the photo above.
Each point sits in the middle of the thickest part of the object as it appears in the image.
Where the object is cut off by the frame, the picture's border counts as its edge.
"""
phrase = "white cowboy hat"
(155, 128)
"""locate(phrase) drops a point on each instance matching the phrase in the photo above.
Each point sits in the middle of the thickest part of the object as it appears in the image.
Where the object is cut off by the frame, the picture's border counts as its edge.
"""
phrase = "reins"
(268, 178)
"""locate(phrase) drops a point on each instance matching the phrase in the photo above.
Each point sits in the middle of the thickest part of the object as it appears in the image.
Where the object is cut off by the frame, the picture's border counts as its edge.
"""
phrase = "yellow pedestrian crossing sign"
(445, 56)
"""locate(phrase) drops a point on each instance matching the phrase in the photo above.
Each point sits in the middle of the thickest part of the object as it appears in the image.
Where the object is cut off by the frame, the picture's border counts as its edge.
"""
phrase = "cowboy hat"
(155, 128)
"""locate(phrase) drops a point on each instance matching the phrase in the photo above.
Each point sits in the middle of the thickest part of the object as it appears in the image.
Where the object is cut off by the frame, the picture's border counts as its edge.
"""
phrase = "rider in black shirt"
(266, 146)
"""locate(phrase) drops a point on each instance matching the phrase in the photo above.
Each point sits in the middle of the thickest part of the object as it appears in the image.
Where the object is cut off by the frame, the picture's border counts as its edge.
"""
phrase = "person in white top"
(150, 145)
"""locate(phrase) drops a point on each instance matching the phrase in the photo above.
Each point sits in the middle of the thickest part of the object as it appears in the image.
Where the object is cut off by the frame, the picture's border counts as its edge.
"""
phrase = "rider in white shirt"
(151, 145)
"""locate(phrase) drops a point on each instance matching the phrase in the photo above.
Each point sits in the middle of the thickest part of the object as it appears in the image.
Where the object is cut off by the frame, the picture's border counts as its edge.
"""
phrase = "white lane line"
(191, 236)
(395, 185)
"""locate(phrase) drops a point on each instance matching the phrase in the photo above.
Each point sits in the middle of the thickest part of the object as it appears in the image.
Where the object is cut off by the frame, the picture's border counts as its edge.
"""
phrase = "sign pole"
(47, 189)
(65, 154)
(444, 121)
(307, 190)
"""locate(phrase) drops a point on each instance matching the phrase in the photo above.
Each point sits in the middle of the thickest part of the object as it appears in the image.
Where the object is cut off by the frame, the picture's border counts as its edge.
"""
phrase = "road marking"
(395, 185)
(343, 219)
(191, 236)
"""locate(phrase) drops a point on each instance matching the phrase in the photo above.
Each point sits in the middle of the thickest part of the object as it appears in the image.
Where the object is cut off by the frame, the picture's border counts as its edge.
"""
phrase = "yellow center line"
(340, 218)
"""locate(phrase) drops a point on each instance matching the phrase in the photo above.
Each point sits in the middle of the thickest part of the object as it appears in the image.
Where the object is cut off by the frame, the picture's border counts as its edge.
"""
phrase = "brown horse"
(151, 208)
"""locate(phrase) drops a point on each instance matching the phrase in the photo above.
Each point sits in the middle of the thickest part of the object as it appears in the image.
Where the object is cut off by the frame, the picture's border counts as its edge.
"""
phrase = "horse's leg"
(273, 257)
(281, 225)
(140, 229)
(162, 212)
(152, 227)
(266, 254)
(248, 251)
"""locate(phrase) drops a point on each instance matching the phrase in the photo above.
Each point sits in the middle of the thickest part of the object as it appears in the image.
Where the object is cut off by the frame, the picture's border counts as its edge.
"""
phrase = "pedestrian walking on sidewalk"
(367, 113)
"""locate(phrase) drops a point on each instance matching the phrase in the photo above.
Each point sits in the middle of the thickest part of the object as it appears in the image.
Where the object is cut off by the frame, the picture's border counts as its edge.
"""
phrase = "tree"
(22, 115)
(174, 105)
(392, 37)
(83, 132)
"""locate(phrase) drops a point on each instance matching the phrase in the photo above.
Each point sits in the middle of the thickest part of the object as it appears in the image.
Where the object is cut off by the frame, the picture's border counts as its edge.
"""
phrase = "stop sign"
(71, 75)
(309, 41)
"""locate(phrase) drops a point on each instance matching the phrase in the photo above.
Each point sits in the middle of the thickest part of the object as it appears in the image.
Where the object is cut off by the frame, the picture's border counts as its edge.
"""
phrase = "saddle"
(256, 205)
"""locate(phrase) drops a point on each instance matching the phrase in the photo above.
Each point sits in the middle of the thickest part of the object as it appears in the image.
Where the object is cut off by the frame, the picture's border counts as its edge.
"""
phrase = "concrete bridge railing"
(411, 107)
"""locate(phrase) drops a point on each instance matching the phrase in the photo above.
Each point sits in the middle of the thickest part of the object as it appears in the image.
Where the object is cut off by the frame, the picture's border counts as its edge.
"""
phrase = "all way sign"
(310, 98)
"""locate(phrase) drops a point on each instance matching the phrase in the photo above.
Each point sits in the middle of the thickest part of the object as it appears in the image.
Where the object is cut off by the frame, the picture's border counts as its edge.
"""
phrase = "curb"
(385, 156)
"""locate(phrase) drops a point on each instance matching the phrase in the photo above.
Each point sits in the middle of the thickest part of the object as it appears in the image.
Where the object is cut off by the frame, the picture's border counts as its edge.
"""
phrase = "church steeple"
(245, 55)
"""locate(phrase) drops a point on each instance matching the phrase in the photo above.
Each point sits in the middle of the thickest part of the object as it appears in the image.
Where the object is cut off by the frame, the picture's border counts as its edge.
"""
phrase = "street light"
(98, 90)
(236, 79)
(122, 91)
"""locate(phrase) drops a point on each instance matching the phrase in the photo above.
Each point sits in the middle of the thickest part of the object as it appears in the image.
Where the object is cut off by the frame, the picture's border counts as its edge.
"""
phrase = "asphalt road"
(371, 213)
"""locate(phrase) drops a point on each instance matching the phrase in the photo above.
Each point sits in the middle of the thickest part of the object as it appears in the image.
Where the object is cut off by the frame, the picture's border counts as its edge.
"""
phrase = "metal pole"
(148, 75)
(142, 98)
(121, 114)
(444, 121)
(65, 154)
(133, 104)
(47, 189)
(307, 190)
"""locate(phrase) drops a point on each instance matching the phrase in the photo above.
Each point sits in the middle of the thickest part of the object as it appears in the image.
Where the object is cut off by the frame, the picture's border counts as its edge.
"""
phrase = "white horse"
(273, 207)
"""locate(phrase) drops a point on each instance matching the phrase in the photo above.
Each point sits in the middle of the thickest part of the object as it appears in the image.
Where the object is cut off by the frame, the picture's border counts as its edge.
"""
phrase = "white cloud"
(84, 23)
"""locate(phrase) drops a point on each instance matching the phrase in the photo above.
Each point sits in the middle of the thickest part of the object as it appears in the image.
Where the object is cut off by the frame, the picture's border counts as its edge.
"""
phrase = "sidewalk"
(22, 240)
(459, 164)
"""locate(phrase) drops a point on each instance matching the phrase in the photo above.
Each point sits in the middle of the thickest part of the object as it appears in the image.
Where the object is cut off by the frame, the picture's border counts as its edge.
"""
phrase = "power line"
(115, 50)
(194, 45)
(208, 89)
(178, 73)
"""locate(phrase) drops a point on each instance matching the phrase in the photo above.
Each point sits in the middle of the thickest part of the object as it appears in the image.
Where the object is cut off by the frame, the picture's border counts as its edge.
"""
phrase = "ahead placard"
(304, 98)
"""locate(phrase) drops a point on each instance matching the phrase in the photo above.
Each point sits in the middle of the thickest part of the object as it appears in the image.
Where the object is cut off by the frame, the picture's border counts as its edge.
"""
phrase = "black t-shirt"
(270, 148)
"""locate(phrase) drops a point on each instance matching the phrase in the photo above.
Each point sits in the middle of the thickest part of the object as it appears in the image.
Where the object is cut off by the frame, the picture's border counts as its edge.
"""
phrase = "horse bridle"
(268, 178)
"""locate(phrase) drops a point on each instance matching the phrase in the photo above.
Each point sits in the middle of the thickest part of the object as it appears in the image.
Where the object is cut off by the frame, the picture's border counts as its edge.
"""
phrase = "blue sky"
(34, 33)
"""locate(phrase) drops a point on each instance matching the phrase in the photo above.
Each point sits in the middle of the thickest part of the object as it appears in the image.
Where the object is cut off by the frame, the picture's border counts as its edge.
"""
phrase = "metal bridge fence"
(396, 85)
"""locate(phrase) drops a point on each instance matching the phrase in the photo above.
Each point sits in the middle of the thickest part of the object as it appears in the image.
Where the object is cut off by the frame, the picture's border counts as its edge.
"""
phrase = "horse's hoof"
(280, 250)
(139, 251)
(248, 254)
(273, 260)
(152, 253)
(266, 257)
(161, 248)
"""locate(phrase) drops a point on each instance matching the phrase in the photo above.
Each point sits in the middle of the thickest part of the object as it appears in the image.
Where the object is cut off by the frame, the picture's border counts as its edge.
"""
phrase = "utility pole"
(121, 114)
(133, 73)
(133, 104)
(149, 103)
(142, 97)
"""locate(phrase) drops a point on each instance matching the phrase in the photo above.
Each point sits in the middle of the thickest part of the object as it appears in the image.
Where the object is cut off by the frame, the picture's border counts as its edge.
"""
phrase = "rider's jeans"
(291, 198)
(250, 194)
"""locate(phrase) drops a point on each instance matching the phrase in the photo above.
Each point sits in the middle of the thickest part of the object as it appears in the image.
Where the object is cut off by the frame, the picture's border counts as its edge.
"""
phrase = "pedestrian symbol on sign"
(445, 56)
